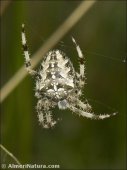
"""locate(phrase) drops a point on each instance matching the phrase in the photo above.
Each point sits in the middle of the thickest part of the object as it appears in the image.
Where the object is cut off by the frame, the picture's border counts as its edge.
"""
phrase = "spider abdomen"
(57, 76)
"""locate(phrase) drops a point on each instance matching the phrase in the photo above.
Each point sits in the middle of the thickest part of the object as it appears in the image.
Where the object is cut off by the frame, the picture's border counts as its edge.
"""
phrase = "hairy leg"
(44, 114)
(81, 75)
(88, 114)
(84, 106)
(26, 53)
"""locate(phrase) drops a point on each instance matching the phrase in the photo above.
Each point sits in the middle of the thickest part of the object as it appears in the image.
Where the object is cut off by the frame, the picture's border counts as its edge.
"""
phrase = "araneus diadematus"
(58, 84)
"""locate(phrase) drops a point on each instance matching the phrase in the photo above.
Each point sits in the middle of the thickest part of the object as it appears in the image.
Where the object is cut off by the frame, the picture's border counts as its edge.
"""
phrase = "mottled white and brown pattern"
(58, 84)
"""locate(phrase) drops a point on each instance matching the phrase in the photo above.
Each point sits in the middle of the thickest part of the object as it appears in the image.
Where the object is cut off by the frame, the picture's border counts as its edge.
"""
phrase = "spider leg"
(26, 53)
(44, 114)
(81, 61)
(88, 114)
(84, 106)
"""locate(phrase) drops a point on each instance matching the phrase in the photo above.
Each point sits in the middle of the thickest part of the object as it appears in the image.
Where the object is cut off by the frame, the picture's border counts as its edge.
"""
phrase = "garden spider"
(58, 84)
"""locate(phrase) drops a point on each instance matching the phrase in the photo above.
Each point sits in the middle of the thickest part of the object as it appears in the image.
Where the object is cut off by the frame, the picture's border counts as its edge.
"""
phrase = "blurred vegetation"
(75, 142)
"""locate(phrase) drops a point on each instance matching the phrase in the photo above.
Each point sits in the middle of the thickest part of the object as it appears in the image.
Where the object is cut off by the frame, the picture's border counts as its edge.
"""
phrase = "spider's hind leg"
(81, 75)
(26, 53)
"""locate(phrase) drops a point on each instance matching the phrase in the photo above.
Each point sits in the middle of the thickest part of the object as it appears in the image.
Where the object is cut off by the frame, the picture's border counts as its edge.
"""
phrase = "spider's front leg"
(85, 111)
(26, 53)
(89, 114)
(84, 106)
(44, 113)
(82, 64)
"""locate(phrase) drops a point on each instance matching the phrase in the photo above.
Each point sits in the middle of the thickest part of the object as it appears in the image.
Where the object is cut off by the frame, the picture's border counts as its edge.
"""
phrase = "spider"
(58, 84)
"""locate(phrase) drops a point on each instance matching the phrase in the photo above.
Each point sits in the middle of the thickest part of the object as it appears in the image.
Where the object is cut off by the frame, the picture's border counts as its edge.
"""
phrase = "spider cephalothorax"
(58, 84)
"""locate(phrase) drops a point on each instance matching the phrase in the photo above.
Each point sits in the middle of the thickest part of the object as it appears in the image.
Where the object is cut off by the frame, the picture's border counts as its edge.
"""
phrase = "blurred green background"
(75, 142)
